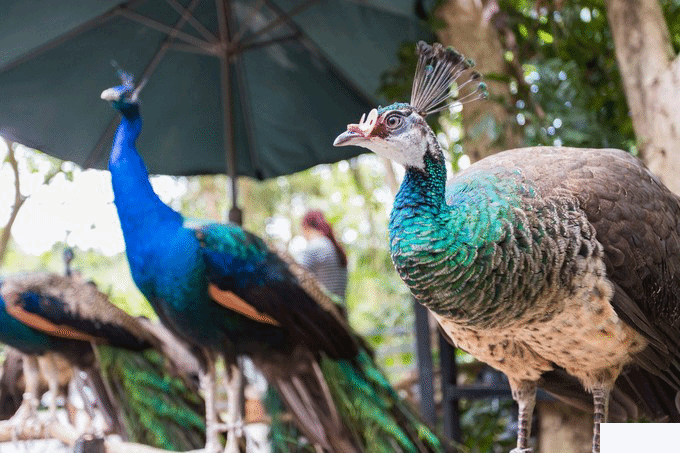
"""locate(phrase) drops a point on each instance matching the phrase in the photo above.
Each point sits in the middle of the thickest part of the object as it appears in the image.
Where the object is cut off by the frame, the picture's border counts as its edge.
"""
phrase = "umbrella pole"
(235, 213)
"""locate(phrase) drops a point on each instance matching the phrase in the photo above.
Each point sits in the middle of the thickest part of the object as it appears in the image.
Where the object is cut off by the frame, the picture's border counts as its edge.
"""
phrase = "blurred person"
(324, 256)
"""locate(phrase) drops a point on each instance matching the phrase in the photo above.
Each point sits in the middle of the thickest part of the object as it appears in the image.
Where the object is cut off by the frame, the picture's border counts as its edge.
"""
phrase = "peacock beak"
(111, 94)
(349, 137)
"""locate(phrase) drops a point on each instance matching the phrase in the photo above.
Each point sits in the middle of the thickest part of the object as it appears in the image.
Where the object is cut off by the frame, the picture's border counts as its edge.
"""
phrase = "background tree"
(48, 167)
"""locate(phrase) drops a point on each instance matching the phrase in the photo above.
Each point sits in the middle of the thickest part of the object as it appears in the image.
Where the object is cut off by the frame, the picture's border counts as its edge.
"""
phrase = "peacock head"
(123, 97)
(395, 132)
(444, 79)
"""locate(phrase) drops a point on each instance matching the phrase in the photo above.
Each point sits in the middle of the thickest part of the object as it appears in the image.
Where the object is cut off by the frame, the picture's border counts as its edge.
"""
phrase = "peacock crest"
(443, 78)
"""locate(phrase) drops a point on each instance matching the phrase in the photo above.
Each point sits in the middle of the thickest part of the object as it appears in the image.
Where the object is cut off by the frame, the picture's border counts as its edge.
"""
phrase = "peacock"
(555, 265)
(44, 315)
(225, 292)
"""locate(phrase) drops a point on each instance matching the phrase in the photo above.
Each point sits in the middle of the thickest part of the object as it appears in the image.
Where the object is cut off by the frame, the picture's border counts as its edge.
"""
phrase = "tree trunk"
(651, 79)
(470, 31)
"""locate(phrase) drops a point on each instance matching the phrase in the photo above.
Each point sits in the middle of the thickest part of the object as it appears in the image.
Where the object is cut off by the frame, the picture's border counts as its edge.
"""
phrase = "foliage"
(563, 75)
(487, 425)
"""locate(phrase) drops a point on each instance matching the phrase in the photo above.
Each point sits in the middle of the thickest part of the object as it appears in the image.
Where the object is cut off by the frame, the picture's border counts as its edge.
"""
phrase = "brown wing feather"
(84, 302)
(232, 302)
(637, 221)
(15, 310)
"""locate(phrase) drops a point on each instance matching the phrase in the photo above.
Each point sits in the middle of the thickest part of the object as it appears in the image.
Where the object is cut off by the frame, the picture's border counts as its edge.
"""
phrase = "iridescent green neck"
(452, 247)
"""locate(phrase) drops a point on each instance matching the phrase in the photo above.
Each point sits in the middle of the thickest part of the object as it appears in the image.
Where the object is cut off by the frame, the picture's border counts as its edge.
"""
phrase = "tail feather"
(373, 410)
(637, 394)
(349, 406)
(157, 408)
(369, 407)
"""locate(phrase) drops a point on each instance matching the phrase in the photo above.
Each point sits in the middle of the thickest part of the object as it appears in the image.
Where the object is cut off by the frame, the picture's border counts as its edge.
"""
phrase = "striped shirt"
(321, 258)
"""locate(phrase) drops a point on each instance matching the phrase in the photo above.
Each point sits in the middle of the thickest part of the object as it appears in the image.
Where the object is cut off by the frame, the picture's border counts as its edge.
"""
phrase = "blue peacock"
(45, 314)
(554, 265)
(225, 292)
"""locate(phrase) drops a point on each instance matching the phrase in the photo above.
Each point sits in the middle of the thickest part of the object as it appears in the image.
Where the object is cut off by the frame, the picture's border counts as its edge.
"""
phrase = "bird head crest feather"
(437, 69)
(128, 80)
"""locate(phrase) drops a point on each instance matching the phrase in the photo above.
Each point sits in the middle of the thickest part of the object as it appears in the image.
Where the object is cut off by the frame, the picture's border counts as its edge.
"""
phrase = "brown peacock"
(551, 264)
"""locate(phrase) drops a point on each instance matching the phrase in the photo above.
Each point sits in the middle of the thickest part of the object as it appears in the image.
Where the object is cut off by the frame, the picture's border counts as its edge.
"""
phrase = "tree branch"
(18, 201)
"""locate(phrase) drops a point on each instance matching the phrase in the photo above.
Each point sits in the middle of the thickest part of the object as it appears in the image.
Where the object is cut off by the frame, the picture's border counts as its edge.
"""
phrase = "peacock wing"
(67, 308)
(637, 221)
(247, 277)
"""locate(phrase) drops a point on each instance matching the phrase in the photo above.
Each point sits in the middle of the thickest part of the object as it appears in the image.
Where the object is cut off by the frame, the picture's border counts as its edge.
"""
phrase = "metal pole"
(449, 374)
(425, 367)
(235, 214)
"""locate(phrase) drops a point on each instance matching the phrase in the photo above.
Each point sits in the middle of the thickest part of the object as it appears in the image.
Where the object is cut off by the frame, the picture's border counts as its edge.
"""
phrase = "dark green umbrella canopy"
(285, 76)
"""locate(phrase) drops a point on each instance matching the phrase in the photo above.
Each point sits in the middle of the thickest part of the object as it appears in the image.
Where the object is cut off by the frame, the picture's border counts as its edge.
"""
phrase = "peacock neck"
(456, 246)
(440, 241)
(139, 208)
(419, 222)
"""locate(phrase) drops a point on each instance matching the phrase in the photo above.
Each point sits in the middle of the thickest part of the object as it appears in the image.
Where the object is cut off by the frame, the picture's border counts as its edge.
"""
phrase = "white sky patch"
(464, 162)
(279, 227)
(82, 210)
(349, 235)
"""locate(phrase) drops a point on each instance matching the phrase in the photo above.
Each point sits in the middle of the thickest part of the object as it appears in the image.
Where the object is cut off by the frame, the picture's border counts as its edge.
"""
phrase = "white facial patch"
(407, 149)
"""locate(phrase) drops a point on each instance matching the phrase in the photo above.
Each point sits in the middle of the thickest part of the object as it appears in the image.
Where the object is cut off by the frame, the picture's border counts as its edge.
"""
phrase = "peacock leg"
(601, 406)
(49, 369)
(87, 398)
(26, 417)
(524, 392)
(212, 428)
(234, 423)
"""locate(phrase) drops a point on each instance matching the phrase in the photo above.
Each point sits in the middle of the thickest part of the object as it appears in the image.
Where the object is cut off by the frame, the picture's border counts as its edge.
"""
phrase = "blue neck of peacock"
(139, 208)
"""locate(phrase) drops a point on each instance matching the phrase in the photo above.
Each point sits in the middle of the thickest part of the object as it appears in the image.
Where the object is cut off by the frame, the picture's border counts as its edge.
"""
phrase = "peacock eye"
(394, 120)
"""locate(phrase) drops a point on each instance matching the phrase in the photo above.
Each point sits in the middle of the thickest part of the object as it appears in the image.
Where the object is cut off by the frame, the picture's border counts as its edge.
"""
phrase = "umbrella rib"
(124, 12)
(191, 19)
(191, 49)
(307, 42)
(283, 17)
(99, 150)
(253, 10)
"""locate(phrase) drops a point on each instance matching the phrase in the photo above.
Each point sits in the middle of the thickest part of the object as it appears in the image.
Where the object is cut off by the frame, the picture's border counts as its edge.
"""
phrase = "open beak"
(356, 134)
(349, 137)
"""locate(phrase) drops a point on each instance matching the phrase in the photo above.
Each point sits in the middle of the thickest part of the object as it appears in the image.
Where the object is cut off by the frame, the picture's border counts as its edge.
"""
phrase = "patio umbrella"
(247, 87)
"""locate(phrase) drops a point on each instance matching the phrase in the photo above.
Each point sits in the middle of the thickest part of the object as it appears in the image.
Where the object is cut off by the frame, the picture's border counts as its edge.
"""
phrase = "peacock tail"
(373, 411)
(284, 437)
(156, 408)
(366, 402)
